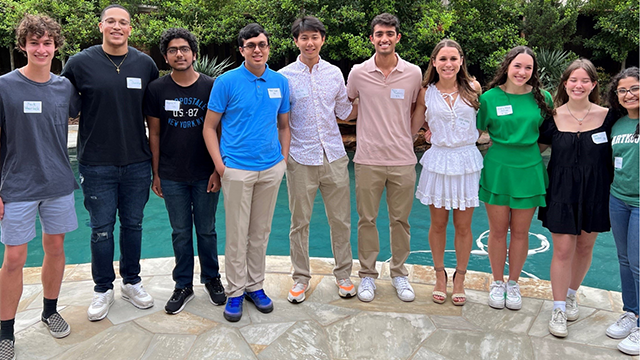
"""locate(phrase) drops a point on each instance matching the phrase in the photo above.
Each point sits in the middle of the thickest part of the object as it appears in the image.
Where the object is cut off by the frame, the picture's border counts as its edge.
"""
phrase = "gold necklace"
(584, 117)
(114, 64)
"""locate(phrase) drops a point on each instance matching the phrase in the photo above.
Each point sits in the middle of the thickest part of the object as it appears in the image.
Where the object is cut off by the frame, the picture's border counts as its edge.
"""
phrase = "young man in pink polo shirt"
(387, 87)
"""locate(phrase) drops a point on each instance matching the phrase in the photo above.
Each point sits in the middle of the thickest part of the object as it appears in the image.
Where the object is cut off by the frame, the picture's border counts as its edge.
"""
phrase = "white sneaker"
(100, 305)
(631, 344)
(623, 326)
(403, 288)
(296, 294)
(497, 295)
(367, 289)
(572, 308)
(136, 295)
(558, 323)
(514, 299)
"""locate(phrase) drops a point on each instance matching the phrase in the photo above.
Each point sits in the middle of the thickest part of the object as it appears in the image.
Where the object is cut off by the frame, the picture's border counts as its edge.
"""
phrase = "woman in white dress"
(448, 103)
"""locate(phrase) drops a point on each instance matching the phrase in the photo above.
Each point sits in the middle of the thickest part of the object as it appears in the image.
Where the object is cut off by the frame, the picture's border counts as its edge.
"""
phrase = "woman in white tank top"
(451, 168)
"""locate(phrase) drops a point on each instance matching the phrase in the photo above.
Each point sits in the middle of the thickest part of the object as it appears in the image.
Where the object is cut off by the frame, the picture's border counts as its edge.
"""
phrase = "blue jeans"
(107, 190)
(624, 224)
(188, 204)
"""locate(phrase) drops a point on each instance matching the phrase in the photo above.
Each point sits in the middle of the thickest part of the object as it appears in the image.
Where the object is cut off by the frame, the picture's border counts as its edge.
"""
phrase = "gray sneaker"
(558, 323)
(7, 351)
(572, 308)
(57, 326)
(100, 305)
(136, 295)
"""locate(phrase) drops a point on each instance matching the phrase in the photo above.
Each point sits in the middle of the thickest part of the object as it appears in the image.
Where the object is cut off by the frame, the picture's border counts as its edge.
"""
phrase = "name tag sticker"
(300, 93)
(504, 110)
(274, 93)
(462, 123)
(397, 93)
(32, 107)
(599, 138)
(134, 83)
(617, 162)
(172, 105)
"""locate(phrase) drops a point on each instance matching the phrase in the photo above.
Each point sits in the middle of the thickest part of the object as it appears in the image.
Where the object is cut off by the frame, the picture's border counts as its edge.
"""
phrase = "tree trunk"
(63, 60)
(11, 59)
(623, 65)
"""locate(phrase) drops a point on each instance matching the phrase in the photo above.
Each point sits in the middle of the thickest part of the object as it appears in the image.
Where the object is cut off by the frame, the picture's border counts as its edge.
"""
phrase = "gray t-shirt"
(34, 120)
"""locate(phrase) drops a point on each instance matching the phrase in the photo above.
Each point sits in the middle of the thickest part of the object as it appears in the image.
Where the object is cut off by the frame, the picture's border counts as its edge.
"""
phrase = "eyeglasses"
(252, 46)
(633, 90)
(174, 50)
(112, 22)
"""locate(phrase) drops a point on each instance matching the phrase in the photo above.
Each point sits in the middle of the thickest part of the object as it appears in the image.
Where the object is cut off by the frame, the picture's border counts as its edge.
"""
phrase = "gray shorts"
(57, 216)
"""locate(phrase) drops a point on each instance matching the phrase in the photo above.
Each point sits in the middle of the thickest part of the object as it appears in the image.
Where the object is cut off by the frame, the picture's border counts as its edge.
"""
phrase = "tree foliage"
(549, 24)
(617, 22)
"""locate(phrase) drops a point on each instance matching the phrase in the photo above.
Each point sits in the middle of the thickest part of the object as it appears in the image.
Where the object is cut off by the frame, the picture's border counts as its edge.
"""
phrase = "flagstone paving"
(325, 326)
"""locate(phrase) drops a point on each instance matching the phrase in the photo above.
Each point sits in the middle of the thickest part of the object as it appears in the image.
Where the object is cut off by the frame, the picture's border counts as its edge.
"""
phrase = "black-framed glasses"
(252, 46)
(633, 90)
(174, 50)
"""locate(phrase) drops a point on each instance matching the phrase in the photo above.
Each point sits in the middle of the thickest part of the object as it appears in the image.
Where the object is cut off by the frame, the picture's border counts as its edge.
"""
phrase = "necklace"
(114, 64)
(584, 117)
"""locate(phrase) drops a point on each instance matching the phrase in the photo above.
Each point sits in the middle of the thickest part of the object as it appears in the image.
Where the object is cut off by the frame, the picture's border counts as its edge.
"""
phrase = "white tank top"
(450, 126)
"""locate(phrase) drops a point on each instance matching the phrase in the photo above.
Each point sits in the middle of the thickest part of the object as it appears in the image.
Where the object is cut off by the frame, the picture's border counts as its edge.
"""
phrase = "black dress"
(580, 173)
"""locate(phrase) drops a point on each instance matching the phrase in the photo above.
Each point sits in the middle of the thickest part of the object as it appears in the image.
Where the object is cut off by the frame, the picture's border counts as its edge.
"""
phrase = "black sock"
(6, 329)
(49, 308)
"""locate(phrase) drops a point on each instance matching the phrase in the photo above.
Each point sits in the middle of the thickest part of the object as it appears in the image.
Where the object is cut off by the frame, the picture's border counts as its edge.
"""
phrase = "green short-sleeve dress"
(513, 174)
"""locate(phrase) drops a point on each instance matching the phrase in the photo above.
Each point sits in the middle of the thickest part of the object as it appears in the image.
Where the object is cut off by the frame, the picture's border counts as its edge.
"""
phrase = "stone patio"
(323, 327)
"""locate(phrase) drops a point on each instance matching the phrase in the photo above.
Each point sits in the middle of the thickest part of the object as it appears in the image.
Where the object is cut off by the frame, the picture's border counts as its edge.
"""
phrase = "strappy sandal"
(459, 299)
(440, 297)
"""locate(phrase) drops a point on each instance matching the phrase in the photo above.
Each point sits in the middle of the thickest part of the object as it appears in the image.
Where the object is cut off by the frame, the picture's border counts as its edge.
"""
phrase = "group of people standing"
(242, 132)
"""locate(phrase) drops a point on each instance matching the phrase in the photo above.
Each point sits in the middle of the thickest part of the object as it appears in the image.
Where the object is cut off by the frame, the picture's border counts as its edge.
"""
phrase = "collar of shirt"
(370, 65)
(251, 77)
(303, 67)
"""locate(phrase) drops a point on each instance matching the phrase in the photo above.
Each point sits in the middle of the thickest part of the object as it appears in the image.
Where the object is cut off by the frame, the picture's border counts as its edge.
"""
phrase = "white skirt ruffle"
(450, 177)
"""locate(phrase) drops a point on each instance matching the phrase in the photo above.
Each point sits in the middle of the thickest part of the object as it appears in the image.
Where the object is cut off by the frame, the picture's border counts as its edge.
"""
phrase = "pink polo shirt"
(383, 129)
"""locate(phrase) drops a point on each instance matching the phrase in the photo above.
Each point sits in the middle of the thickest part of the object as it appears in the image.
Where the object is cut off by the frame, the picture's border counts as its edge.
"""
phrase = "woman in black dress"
(579, 177)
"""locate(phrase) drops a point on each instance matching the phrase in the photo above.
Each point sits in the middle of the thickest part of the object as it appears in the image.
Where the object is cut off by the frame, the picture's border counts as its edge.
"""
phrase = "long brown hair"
(501, 77)
(562, 97)
(464, 80)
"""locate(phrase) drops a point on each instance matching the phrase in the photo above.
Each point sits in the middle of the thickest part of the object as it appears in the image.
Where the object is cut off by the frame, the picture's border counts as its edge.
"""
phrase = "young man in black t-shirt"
(113, 155)
(183, 172)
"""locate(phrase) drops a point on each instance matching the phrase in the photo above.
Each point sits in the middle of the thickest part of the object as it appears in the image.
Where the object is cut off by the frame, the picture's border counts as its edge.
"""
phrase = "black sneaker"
(216, 292)
(179, 300)
(6, 350)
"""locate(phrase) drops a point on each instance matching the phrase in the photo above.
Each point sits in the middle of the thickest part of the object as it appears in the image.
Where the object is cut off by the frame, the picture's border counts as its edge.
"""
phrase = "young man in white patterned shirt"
(317, 158)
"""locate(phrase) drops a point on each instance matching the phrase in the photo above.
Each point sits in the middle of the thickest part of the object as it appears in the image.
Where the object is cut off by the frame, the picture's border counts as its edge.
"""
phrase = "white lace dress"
(451, 167)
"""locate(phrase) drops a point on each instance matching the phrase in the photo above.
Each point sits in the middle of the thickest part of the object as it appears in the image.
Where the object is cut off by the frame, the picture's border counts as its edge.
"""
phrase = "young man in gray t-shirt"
(36, 175)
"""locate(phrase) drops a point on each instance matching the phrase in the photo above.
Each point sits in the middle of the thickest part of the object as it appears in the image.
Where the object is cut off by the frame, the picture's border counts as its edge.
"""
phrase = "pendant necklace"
(114, 64)
(584, 117)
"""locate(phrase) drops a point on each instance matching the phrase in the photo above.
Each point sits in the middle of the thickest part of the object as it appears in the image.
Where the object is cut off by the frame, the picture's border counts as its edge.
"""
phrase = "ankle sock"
(49, 307)
(6, 329)
(511, 283)
(571, 292)
(562, 305)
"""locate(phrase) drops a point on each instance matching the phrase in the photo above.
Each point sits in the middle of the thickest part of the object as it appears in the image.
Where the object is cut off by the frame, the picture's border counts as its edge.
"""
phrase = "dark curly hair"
(38, 25)
(501, 77)
(612, 96)
(250, 31)
(178, 33)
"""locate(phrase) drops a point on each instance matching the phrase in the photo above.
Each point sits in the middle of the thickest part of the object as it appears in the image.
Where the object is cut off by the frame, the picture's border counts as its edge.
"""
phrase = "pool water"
(156, 240)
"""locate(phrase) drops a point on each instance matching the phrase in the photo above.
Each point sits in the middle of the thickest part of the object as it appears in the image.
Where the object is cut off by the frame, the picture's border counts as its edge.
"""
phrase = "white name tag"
(32, 107)
(599, 138)
(617, 162)
(462, 123)
(172, 105)
(275, 93)
(397, 93)
(300, 93)
(134, 83)
(504, 110)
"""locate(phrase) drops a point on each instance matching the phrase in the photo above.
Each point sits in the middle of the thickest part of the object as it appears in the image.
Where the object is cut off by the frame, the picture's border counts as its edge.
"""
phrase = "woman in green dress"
(514, 179)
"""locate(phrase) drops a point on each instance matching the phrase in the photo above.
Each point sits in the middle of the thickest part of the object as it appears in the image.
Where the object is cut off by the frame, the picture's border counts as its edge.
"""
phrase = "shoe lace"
(260, 294)
(402, 282)
(368, 282)
(625, 319)
(176, 294)
(298, 286)
(344, 282)
(236, 301)
(571, 301)
(513, 290)
(139, 290)
(216, 285)
(99, 299)
(496, 287)
(559, 316)
(634, 335)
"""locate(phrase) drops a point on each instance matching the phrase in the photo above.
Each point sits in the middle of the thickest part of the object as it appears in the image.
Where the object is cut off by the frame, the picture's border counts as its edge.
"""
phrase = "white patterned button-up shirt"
(317, 98)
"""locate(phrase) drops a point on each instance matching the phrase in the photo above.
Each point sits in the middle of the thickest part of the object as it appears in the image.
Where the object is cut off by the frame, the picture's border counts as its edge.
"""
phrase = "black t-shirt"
(183, 152)
(111, 129)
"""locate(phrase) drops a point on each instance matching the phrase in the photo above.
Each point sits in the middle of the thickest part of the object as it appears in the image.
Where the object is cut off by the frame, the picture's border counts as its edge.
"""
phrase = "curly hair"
(178, 33)
(463, 79)
(612, 95)
(38, 25)
(501, 77)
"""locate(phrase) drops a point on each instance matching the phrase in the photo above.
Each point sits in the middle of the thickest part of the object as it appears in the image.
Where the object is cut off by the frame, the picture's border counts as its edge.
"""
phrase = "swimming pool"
(156, 235)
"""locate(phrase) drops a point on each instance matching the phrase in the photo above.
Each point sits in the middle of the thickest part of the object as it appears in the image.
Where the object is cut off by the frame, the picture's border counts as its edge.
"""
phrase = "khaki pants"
(249, 201)
(370, 182)
(303, 183)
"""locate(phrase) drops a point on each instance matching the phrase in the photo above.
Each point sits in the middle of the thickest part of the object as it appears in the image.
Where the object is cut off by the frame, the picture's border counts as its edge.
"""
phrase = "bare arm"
(153, 123)
(211, 121)
(543, 147)
(477, 87)
(417, 113)
(284, 134)
(354, 112)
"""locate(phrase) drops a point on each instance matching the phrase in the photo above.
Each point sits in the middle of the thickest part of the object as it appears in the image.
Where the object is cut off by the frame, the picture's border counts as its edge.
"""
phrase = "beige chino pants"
(400, 184)
(303, 182)
(249, 202)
